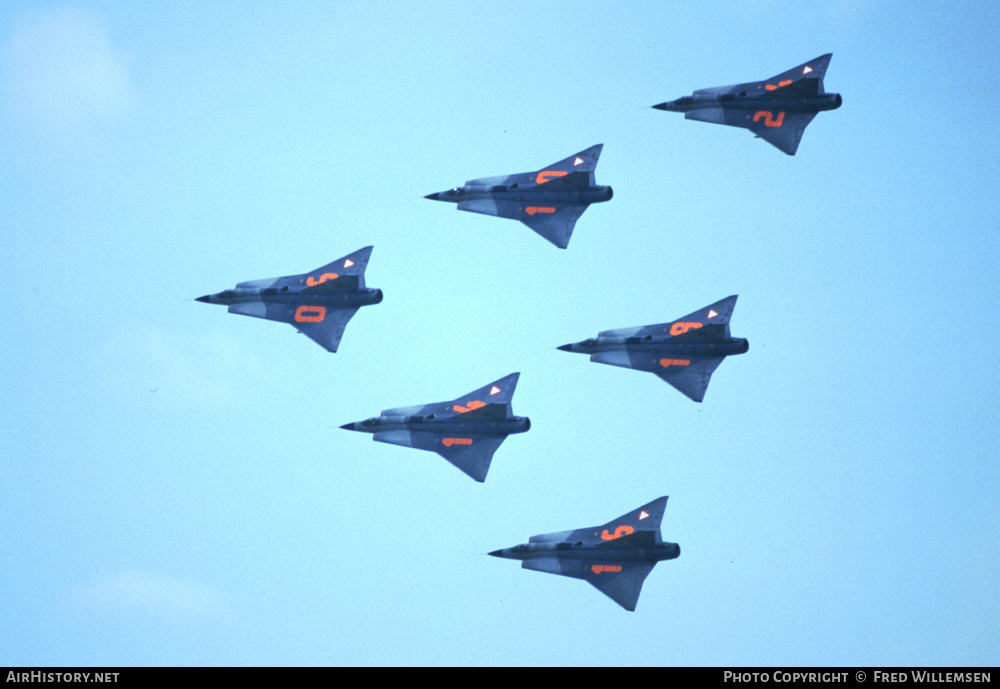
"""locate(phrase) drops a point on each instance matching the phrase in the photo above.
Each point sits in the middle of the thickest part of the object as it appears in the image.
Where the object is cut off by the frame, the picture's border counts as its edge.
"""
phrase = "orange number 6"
(680, 327)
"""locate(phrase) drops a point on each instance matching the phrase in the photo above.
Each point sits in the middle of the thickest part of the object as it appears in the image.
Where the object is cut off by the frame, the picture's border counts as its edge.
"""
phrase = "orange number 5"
(623, 530)
(312, 282)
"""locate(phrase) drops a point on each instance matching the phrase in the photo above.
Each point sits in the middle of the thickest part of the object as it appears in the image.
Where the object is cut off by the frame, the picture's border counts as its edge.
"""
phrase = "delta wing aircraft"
(615, 557)
(684, 352)
(549, 201)
(319, 303)
(466, 431)
(776, 110)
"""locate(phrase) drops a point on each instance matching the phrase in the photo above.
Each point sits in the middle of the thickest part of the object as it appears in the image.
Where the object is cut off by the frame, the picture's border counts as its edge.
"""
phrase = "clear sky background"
(174, 485)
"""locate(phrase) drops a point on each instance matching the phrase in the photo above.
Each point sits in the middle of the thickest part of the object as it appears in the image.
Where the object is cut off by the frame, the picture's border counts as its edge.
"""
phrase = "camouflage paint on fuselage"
(777, 110)
(466, 431)
(615, 557)
(684, 352)
(549, 201)
(318, 303)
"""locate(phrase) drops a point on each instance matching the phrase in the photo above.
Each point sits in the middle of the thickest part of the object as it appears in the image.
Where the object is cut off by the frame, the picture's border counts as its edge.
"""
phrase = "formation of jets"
(467, 431)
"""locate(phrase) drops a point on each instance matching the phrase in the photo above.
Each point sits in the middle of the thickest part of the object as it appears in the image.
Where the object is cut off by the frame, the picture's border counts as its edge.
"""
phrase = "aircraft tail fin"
(346, 271)
(496, 394)
(712, 320)
(814, 69)
(584, 161)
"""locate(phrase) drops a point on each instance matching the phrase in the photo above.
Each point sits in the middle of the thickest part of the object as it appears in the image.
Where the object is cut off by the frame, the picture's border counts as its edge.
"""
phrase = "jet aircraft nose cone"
(349, 427)
(497, 553)
(566, 348)
(672, 105)
(434, 197)
(206, 299)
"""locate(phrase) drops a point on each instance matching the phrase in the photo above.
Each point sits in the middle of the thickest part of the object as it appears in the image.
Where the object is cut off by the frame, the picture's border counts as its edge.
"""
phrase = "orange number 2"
(769, 118)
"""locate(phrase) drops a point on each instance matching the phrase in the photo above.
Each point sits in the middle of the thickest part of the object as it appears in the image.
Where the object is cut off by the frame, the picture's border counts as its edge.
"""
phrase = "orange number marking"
(597, 569)
(680, 327)
(674, 362)
(474, 404)
(312, 282)
(448, 442)
(546, 175)
(772, 87)
(310, 314)
(769, 119)
(623, 530)
(531, 210)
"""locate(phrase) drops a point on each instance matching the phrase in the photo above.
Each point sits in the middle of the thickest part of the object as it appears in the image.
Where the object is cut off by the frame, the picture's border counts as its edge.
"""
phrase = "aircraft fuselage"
(819, 103)
(336, 299)
(536, 195)
(529, 551)
(668, 347)
(452, 426)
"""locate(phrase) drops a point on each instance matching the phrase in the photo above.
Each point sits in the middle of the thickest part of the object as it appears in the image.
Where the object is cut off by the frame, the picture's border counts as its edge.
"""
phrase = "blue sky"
(175, 486)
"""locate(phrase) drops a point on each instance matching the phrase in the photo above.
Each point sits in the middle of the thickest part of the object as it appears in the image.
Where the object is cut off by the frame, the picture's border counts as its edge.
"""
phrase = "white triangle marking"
(348, 263)
(643, 515)
(577, 161)
(712, 313)
(807, 69)
(494, 390)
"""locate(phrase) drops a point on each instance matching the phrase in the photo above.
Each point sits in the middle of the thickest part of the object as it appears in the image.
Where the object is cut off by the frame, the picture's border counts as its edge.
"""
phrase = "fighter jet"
(615, 557)
(776, 110)
(466, 431)
(319, 303)
(549, 201)
(684, 353)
